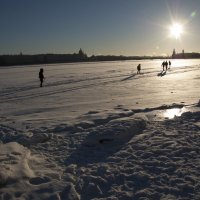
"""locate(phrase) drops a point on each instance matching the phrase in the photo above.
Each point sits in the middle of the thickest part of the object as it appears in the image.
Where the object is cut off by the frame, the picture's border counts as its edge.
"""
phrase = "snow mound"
(35, 139)
(24, 175)
(14, 163)
(132, 158)
(9, 134)
(116, 131)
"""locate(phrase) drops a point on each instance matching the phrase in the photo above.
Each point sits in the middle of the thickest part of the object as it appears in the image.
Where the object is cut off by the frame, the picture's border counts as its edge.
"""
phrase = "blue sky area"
(109, 27)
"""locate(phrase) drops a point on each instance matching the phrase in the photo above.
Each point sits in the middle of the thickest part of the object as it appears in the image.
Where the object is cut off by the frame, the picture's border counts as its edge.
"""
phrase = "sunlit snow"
(100, 131)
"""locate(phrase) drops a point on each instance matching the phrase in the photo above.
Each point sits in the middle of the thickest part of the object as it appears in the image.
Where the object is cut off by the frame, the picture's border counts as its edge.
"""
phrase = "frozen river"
(71, 90)
(100, 131)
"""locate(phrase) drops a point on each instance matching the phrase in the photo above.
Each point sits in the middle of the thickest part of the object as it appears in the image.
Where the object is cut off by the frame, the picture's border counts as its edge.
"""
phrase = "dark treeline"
(6, 60)
(39, 59)
(118, 58)
(21, 59)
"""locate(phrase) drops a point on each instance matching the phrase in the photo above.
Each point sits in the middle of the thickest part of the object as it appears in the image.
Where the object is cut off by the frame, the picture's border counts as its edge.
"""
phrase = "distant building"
(174, 53)
(82, 54)
(179, 55)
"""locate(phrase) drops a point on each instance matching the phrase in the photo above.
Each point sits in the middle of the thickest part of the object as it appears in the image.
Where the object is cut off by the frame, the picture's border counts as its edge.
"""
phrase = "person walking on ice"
(169, 64)
(138, 69)
(41, 77)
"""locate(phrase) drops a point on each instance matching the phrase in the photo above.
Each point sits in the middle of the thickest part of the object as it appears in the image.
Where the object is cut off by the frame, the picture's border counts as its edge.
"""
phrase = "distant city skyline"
(107, 27)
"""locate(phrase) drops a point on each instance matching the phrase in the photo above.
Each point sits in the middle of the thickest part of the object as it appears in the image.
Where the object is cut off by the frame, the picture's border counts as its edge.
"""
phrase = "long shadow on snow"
(11, 96)
(44, 93)
(129, 77)
(162, 73)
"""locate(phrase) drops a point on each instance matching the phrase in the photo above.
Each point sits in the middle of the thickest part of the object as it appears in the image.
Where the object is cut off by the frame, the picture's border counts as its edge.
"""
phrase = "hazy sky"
(115, 27)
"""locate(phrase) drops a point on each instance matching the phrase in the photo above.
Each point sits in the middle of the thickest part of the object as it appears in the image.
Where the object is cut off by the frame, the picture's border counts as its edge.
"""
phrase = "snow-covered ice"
(100, 131)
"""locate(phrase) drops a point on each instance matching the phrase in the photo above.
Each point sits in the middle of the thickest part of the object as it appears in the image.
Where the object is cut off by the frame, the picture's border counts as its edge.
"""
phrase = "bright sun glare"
(176, 30)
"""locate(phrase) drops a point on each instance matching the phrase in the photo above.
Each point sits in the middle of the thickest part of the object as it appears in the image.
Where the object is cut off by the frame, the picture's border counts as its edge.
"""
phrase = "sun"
(176, 30)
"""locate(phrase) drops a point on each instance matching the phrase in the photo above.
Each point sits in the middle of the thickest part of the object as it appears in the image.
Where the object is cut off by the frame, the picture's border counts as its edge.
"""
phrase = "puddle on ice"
(177, 112)
(160, 115)
(171, 113)
(166, 114)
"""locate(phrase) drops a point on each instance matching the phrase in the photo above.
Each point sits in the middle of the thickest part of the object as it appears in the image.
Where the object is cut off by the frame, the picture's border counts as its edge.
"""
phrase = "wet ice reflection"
(171, 113)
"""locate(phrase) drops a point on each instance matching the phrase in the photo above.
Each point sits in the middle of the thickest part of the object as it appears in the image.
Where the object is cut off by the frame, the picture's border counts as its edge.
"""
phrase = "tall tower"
(174, 54)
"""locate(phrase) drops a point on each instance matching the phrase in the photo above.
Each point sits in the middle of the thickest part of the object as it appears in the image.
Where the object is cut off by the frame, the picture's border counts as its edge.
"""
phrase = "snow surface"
(100, 131)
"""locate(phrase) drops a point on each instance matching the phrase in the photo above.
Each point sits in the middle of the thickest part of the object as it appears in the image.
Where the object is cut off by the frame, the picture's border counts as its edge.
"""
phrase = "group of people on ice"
(165, 65)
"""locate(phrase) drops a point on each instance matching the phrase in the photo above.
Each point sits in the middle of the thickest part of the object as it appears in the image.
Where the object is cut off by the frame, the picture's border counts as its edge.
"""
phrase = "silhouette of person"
(166, 65)
(169, 64)
(41, 76)
(138, 69)
(163, 65)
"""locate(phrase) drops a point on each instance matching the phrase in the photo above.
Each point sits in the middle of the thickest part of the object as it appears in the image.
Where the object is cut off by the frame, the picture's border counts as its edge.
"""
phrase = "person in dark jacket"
(138, 69)
(163, 65)
(41, 76)
(169, 64)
